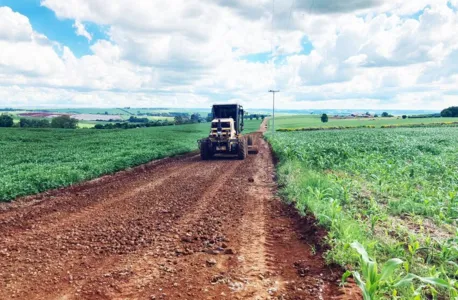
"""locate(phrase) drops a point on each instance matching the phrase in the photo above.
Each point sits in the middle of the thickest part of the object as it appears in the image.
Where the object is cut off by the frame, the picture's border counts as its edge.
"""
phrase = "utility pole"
(273, 109)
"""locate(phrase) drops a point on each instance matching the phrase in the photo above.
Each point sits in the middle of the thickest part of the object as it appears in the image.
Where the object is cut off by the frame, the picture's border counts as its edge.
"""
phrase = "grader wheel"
(243, 149)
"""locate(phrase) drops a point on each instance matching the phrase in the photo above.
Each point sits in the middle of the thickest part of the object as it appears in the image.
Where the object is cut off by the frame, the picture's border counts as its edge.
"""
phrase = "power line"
(293, 5)
(273, 67)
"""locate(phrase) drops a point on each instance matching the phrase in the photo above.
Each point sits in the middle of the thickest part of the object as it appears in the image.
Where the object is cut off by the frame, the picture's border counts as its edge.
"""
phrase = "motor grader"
(226, 133)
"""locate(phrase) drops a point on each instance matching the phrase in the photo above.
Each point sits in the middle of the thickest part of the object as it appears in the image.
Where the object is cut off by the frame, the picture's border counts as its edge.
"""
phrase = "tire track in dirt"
(175, 229)
(92, 209)
(30, 212)
(147, 270)
(114, 230)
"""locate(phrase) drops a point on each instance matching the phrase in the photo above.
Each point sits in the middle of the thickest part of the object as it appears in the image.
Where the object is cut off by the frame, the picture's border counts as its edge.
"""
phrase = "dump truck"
(226, 133)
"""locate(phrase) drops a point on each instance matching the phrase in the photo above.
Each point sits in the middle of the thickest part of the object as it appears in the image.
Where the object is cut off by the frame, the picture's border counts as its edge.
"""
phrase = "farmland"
(35, 160)
(307, 121)
(394, 191)
(89, 117)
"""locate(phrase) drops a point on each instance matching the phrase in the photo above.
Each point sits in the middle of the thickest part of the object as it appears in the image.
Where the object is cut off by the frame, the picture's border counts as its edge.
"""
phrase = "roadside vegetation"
(36, 160)
(389, 200)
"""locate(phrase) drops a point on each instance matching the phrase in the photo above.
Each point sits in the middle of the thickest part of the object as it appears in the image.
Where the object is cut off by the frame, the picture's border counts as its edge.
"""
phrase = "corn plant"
(374, 283)
(371, 281)
(379, 187)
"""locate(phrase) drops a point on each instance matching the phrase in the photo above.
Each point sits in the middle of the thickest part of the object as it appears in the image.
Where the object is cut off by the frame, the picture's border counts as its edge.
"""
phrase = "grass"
(395, 191)
(307, 121)
(36, 160)
(251, 125)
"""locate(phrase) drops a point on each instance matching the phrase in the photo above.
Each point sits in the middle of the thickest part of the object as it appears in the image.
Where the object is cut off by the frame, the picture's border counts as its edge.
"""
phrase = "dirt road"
(180, 228)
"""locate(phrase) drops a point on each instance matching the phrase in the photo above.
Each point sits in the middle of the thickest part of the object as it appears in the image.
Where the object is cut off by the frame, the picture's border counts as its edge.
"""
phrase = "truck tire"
(204, 151)
(243, 149)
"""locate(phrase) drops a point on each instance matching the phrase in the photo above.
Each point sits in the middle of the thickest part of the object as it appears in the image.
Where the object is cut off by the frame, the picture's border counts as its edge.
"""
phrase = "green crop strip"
(36, 160)
(393, 191)
(420, 125)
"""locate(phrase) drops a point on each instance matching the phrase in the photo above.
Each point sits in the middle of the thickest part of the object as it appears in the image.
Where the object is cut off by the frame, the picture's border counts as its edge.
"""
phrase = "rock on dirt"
(211, 262)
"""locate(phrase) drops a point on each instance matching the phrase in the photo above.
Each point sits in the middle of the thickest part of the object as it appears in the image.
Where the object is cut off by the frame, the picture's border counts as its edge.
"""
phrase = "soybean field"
(36, 160)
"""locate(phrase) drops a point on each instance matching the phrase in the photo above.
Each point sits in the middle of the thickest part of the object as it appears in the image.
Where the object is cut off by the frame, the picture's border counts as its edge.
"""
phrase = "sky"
(366, 54)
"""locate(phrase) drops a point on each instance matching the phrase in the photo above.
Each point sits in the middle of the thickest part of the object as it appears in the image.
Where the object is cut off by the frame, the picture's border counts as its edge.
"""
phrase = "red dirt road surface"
(179, 228)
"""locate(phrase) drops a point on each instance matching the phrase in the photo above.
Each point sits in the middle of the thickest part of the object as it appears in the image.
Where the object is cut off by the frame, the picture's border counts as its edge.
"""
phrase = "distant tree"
(6, 120)
(257, 117)
(375, 116)
(98, 126)
(23, 122)
(209, 118)
(34, 123)
(106, 113)
(251, 117)
(195, 118)
(133, 119)
(385, 114)
(324, 118)
(404, 117)
(43, 123)
(64, 122)
(446, 113)
(451, 112)
(423, 116)
(178, 120)
(263, 117)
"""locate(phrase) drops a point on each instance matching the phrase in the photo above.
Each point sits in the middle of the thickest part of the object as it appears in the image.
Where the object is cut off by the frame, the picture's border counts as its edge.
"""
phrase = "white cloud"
(187, 52)
(331, 6)
(14, 26)
(81, 30)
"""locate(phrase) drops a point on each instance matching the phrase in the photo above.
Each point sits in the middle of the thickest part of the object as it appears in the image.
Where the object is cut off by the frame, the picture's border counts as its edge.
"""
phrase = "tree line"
(125, 125)
(58, 122)
(450, 112)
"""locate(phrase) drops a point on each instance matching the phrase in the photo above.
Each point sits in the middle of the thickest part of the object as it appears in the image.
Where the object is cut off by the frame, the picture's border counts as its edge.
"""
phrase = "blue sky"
(264, 57)
(183, 53)
(44, 21)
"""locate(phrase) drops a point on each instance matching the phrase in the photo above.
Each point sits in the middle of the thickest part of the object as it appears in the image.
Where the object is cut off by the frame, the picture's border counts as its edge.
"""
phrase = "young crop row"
(393, 194)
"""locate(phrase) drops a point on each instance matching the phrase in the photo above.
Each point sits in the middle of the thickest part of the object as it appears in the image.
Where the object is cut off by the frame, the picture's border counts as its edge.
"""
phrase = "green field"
(395, 191)
(307, 121)
(36, 160)
(155, 118)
